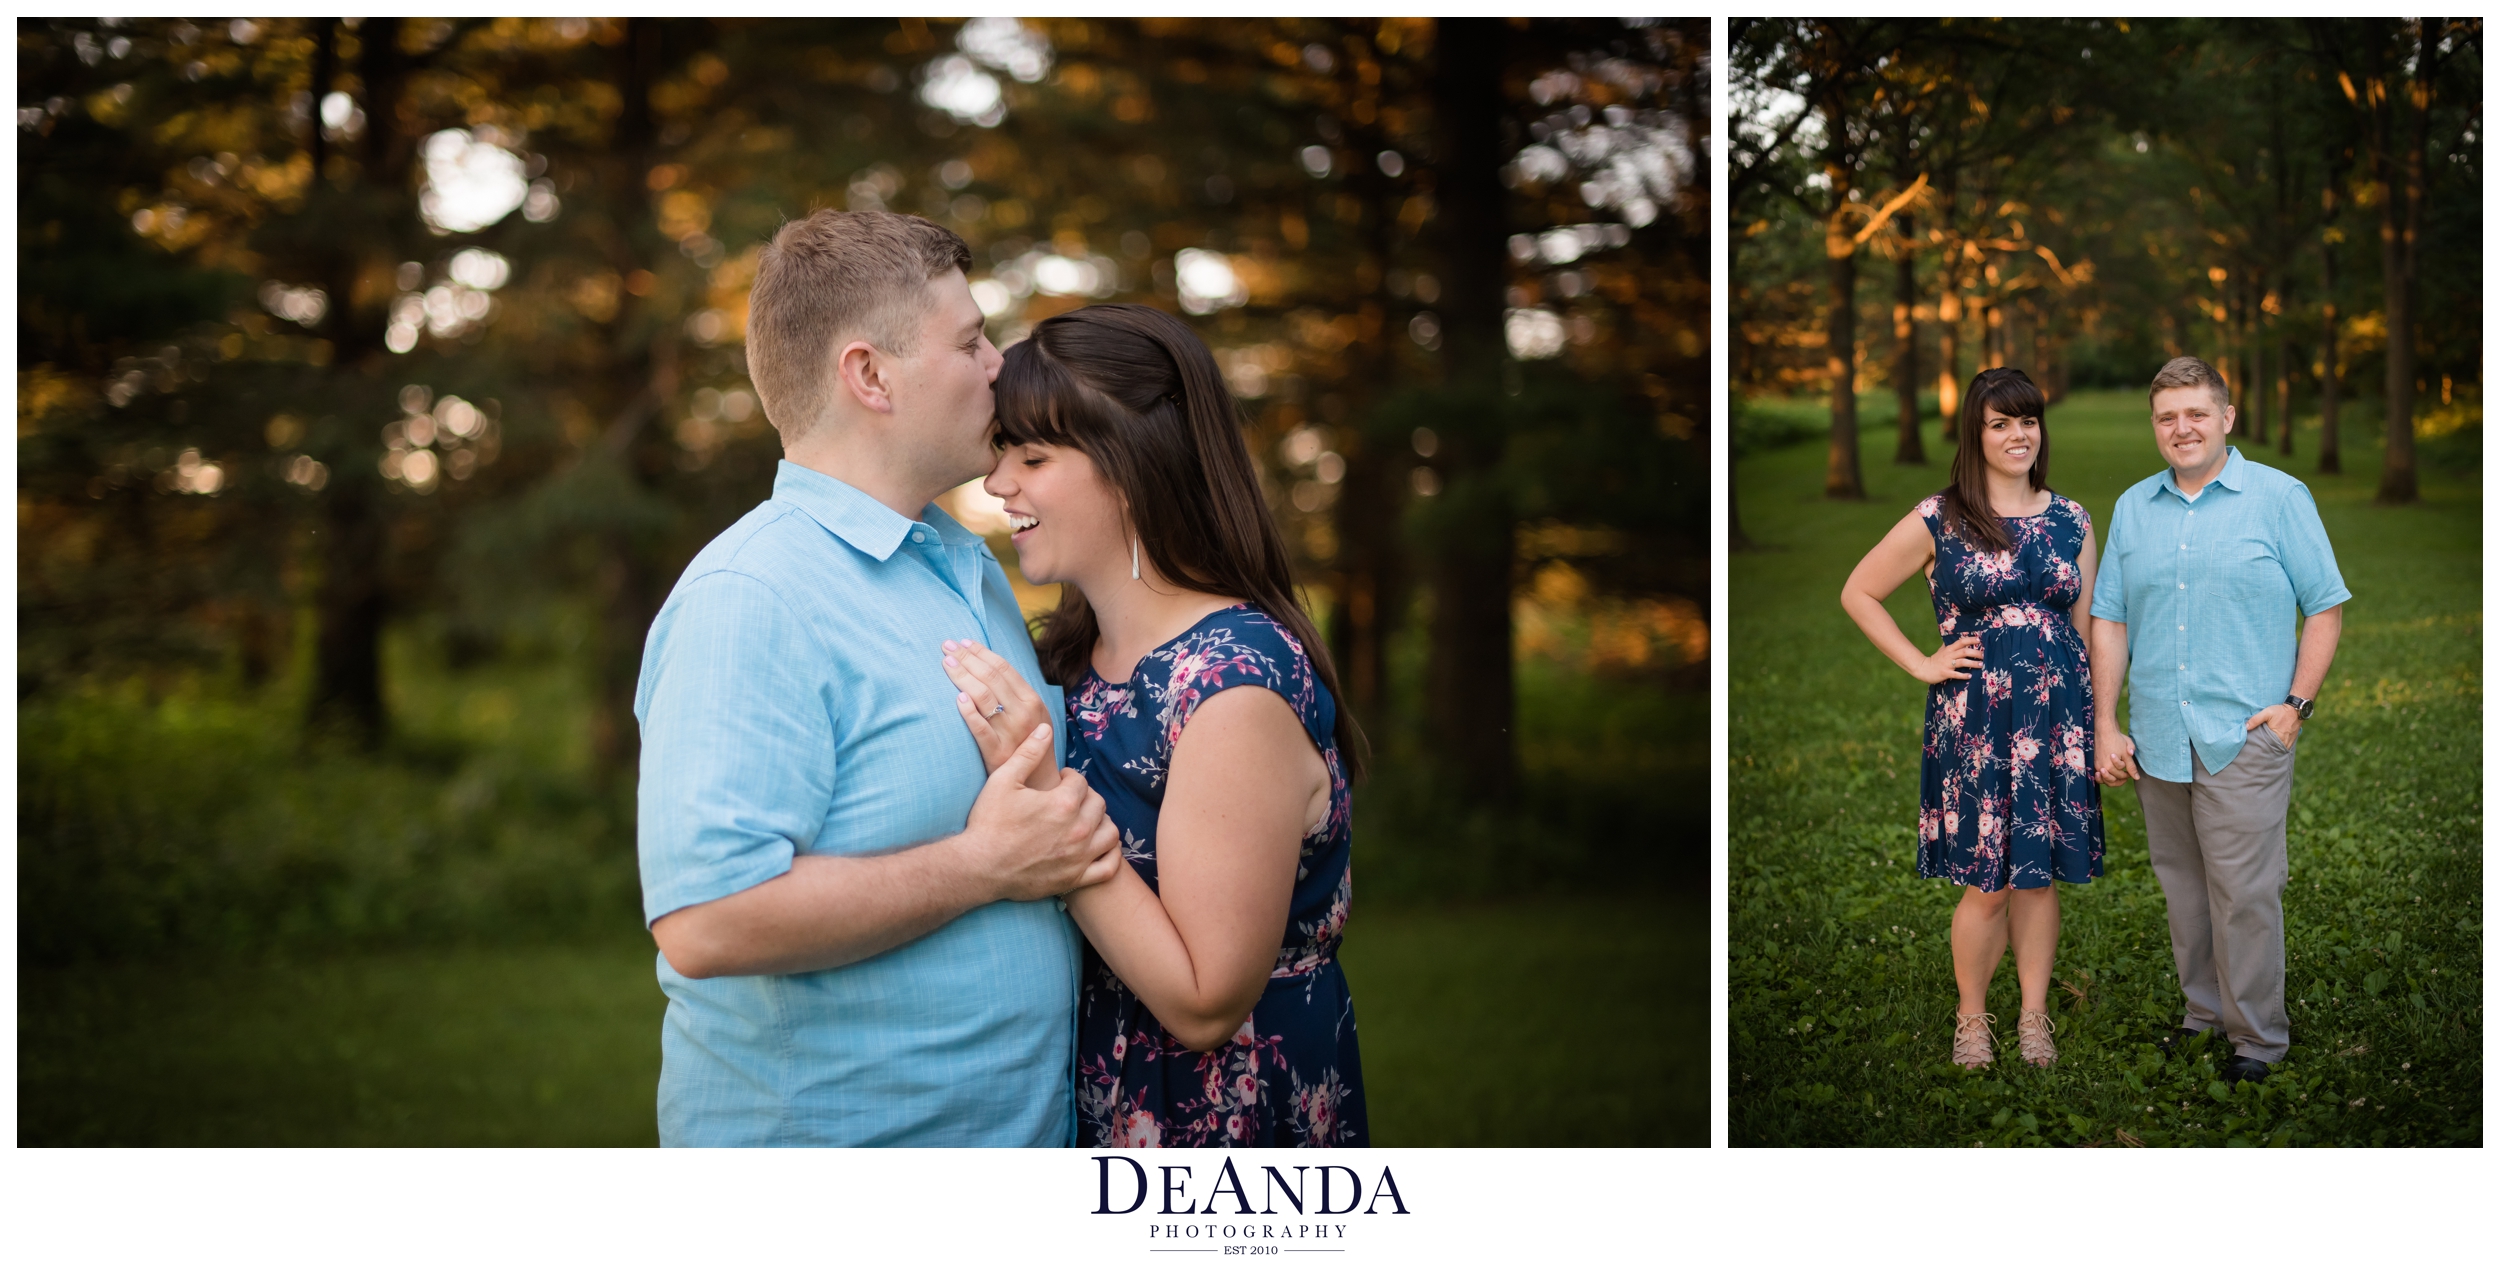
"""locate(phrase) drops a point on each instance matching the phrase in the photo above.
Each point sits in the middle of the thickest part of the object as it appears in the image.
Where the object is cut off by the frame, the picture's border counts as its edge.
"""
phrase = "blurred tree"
(2391, 70)
(2106, 194)
(388, 322)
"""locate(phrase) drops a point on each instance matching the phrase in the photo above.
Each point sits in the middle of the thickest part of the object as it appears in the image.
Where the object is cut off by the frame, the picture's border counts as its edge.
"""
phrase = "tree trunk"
(2238, 363)
(1469, 671)
(1371, 588)
(629, 582)
(1370, 579)
(1842, 479)
(1949, 357)
(1910, 450)
(2330, 375)
(352, 603)
(351, 606)
(2400, 224)
(2283, 379)
(2255, 388)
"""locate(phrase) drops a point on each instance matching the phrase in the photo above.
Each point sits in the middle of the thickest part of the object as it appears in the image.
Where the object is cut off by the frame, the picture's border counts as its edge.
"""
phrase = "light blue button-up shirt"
(792, 701)
(2207, 587)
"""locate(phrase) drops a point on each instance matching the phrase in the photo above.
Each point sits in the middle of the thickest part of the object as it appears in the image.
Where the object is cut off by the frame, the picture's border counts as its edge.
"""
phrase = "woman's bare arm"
(1245, 785)
(2089, 563)
(1904, 551)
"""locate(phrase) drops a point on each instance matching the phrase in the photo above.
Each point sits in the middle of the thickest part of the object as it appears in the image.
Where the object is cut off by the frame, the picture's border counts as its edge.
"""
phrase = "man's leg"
(2170, 835)
(2241, 814)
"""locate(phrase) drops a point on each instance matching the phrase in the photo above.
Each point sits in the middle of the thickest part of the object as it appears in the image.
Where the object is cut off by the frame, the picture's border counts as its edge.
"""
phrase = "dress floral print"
(1292, 1075)
(2006, 796)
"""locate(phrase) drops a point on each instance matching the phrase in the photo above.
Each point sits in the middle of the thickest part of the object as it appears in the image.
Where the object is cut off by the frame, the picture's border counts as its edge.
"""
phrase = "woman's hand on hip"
(1955, 660)
(997, 706)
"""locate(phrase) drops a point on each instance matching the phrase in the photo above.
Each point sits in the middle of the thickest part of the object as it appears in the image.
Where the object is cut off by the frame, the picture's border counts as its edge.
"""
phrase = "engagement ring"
(999, 710)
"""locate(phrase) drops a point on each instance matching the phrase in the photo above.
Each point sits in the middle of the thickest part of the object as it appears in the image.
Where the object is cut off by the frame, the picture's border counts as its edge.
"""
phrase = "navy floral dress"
(2006, 796)
(1291, 1076)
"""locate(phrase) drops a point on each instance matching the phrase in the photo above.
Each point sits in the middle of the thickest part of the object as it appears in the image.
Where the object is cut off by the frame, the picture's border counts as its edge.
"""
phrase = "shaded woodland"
(2299, 201)
(363, 361)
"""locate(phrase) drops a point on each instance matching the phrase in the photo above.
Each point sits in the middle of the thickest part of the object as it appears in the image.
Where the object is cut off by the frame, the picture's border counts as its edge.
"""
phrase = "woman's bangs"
(2014, 397)
(1030, 410)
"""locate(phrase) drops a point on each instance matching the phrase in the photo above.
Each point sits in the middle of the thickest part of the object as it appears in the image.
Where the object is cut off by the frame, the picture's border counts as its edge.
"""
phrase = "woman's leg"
(1979, 935)
(2035, 942)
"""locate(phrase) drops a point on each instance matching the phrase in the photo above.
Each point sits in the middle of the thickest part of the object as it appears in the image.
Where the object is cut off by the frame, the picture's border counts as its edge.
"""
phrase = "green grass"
(1473, 1030)
(1841, 984)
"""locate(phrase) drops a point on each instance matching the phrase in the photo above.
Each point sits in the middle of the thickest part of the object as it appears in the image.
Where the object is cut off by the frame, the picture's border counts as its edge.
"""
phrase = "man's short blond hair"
(2188, 371)
(829, 278)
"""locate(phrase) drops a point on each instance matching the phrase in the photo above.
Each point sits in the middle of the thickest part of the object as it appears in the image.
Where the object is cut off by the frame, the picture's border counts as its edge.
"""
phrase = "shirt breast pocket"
(2246, 569)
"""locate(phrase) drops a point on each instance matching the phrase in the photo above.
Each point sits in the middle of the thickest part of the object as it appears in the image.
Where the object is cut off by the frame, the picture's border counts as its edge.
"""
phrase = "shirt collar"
(862, 521)
(2228, 476)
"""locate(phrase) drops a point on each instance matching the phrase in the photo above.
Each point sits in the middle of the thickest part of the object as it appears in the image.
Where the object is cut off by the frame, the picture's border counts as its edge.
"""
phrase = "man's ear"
(865, 375)
(2229, 415)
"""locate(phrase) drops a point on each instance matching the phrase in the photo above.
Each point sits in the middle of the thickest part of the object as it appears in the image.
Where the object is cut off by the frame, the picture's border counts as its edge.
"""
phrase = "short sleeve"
(737, 775)
(1931, 512)
(2109, 584)
(2307, 556)
(1243, 648)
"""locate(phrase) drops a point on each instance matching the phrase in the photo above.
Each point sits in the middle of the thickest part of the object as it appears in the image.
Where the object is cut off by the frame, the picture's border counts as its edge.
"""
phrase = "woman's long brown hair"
(1135, 390)
(1967, 511)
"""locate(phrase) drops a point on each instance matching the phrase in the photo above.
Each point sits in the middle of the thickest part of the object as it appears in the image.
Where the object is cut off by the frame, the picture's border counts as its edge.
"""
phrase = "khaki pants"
(2219, 847)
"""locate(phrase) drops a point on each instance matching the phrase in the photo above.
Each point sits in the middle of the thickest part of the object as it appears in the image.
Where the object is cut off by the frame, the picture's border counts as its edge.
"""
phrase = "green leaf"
(2374, 983)
(2218, 1091)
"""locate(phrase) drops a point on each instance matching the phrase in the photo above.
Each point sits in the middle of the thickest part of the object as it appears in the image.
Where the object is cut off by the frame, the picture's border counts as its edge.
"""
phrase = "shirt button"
(2182, 628)
(922, 538)
(2182, 586)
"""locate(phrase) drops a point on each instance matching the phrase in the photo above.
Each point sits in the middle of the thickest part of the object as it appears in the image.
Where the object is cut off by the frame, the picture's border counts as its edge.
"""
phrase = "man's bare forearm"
(2109, 670)
(2318, 635)
(826, 911)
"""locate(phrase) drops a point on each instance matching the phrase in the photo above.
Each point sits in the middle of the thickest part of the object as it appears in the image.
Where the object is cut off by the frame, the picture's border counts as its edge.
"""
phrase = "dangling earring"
(1132, 559)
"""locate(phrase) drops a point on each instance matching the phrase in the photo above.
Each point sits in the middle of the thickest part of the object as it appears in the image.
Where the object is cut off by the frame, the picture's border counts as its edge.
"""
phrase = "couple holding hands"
(919, 879)
(2192, 607)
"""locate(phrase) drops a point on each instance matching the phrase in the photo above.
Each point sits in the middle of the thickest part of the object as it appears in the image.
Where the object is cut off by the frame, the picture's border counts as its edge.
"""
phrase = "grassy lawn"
(1473, 1023)
(1841, 984)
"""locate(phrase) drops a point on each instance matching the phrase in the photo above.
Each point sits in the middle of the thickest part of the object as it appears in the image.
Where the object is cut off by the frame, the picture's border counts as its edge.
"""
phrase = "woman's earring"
(1132, 558)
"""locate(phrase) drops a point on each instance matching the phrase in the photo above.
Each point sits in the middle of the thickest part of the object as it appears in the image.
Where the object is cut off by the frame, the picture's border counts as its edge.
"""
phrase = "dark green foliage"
(1841, 984)
(202, 823)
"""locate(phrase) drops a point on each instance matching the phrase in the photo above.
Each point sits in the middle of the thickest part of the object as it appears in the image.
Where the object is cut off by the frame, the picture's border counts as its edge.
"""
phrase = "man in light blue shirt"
(2209, 566)
(857, 930)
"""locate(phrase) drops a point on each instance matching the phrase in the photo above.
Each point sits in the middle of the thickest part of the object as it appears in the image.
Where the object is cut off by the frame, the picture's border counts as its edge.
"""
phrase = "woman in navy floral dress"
(1290, 1076)
(1203, 709)
(2007, 800)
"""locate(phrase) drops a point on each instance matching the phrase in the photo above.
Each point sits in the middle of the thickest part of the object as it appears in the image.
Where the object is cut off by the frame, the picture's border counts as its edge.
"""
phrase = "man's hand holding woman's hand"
(996, 704)
(1037, 843)
(1955, 660)
(2116, 756)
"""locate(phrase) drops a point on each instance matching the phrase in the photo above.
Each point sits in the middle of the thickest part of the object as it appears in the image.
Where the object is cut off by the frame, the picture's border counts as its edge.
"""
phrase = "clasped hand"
(1049, 830)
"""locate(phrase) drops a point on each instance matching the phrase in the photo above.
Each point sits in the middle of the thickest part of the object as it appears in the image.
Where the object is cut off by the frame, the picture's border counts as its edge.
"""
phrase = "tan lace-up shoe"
(2033, 1030)
(1974, 1040)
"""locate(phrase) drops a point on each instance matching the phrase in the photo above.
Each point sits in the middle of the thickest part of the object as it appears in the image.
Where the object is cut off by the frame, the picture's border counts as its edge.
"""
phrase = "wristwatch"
(2302, 705)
